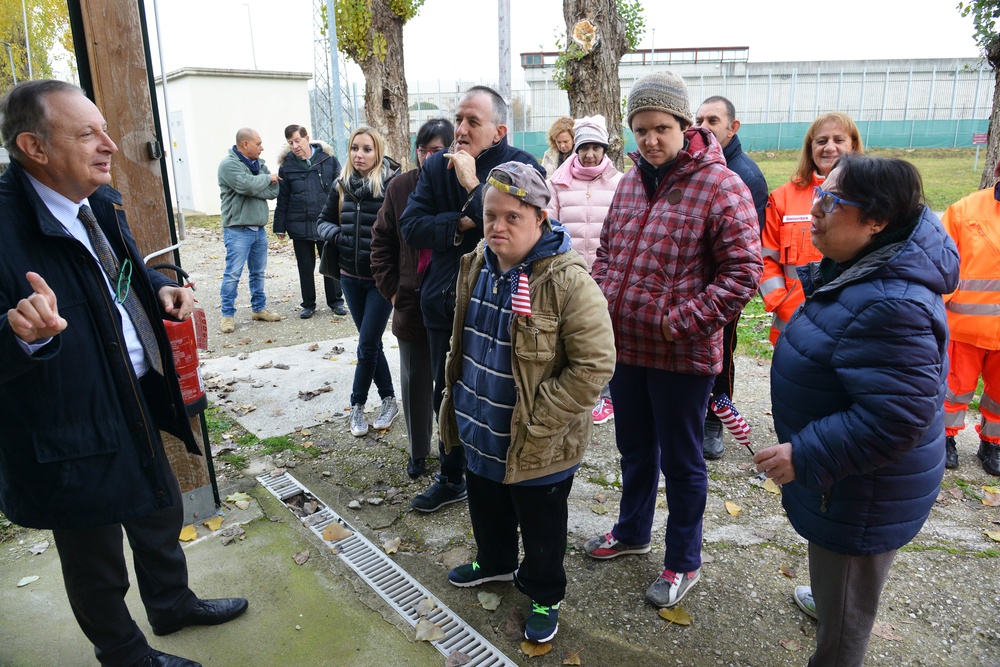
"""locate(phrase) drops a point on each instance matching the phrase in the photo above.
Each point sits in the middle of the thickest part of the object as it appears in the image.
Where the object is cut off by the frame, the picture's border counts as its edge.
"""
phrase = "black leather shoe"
(339, 310)
(950, 453)
(206, 612)
(713, 447)
(989, 454)
(416, 467)
(306, 313)
(159, 659)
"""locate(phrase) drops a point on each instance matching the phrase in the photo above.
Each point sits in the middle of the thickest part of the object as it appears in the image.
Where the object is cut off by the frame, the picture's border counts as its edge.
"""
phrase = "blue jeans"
(370, 311)
(244, 246)
(659, 427)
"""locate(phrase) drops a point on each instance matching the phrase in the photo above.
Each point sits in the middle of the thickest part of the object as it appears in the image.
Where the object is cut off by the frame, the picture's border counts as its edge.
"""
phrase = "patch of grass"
(7, 529)
(921, 548)
(203, 221)
(604, 482)
(238, 461)
(967, 488)
(280, 443)
(988, 553)
(753, 330)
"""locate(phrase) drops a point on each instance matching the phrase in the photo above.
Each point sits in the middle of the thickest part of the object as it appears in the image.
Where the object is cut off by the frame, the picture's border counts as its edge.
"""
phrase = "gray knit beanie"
(660, 91)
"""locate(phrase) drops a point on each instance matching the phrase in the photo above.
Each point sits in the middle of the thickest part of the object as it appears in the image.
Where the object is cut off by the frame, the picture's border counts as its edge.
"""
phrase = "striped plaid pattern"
(690, 257)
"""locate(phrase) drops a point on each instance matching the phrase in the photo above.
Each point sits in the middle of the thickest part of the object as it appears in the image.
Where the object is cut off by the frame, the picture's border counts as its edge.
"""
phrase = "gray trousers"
(846, 595)
(417, 380)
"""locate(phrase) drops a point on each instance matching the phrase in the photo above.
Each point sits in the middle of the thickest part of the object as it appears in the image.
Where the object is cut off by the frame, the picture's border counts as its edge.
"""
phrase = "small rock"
(375, 501)
(354, 505)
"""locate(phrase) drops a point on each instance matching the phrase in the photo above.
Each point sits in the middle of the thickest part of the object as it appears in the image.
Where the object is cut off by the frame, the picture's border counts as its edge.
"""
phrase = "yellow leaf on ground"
(392, 546)
(214, 522)
(335, 532)
(572, 657)
(790, 644)
(676, 615)
(489, 601)
(990, 498)
(770, 486)
(992, 534)
(426, 606)
(428, 632)
(534, 649)
(991, 489)
(188, 533)
(237, 497)
(733, 508)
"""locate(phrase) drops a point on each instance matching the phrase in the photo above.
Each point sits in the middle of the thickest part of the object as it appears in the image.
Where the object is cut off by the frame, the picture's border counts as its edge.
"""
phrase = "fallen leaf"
(39, 548)
(301, 557)
(770, 486)
(572, 657)
(992, 534)
(188, 533)
(236, 497)
(886, 631)
(27, 580)
(990, 498)
(788, 571)
(676, 615)
(230, 534)
(335, 532)
(425, 606)
(955, 492)
(940, 497)
(489, 601)
(428, 632)
(214, 523)
(533, 649)
(392, 546)
(991, 489)
(599, 509)
(457, 659)
(790, 644)
(600, 498)
(733, 508)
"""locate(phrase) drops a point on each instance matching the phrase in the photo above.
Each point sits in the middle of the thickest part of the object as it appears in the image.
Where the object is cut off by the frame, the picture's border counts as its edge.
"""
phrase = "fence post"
(885, 93)
(791, 95)
(840, 91)
(906, 107)
(954, 94)
(930, 96)
(979, 80)
(440, 108)
(767, 107)
(912, 123)
(861, 102)
(420, 106)
(819, 77)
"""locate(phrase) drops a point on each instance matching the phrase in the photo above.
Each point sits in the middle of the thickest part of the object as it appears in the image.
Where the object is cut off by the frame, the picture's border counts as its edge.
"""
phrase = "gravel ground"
(939, 607)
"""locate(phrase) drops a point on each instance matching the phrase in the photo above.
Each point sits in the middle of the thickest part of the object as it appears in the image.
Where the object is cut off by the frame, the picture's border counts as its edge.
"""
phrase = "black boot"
(989, 454)
(950, 453)
(713, 447)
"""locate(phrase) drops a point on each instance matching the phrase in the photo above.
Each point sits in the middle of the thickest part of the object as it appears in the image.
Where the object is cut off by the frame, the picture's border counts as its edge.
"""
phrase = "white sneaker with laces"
(388, 412)
(359, 425)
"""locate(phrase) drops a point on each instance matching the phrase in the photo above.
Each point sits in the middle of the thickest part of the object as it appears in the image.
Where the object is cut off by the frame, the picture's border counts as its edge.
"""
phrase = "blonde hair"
(564, 124)
(806, 167)
(374, 177)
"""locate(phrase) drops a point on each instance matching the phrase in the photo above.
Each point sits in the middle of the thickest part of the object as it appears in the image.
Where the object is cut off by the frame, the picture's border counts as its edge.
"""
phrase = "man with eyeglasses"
(718, 115)
(87, 379)
(445, 215)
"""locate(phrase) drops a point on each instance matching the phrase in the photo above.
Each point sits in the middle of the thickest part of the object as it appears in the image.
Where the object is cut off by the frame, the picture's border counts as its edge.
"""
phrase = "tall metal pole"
(503, 9)
(339, 132)
(181, 232)
(10, 55)
(253, 49)
(27, 39)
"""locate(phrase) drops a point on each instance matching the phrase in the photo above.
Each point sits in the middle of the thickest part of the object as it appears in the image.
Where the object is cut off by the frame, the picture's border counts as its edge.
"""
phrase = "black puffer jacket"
(302, 191)
(349, 223)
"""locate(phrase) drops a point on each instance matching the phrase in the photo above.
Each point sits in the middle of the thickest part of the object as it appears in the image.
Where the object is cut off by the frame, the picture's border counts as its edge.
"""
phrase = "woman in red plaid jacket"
(679, 257)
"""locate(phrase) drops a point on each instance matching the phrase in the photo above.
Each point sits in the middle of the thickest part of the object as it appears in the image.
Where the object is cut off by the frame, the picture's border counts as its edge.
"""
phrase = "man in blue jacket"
(87, 379)
(444, 215)
(718, 115)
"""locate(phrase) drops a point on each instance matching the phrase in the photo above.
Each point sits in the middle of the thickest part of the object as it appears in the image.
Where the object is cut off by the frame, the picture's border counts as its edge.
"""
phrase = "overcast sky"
(457, 39)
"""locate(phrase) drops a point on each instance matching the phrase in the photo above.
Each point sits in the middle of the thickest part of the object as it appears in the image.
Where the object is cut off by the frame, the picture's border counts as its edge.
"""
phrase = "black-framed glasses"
(828, 201)
(124, 282)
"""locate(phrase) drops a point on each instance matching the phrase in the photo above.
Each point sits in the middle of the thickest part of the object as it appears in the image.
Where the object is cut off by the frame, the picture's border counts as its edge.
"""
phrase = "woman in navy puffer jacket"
(857, 392)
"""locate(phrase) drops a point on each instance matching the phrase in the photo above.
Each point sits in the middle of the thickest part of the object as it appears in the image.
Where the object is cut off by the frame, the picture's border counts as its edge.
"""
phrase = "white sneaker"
(359, 425)
(388, 412)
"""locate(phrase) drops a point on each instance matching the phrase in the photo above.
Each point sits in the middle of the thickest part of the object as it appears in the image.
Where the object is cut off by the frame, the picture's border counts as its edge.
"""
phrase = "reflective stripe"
(989, 309)
(771, 284)
(963, 399)
(791, 271)
(954, 418)
(987, 403)
(768, 252)
(991, 429)
(979, 285)
(778, 323)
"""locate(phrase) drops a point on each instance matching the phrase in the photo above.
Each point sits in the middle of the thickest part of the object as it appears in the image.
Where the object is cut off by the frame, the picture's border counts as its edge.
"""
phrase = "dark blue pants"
(370, 311)
(496, 510)
(306, 252)
(452, 463)
(659, 426)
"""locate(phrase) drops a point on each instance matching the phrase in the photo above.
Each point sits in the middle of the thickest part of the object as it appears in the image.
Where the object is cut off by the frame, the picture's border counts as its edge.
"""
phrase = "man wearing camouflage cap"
(531, 348)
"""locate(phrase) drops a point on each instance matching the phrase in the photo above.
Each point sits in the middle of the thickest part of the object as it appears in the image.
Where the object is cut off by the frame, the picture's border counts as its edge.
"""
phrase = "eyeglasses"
(424, 152)
(124, 282)
(828, 201)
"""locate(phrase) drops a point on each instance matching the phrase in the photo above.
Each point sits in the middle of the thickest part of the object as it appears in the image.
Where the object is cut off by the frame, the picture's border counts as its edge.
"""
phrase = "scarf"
(252, 165)
(574, 169)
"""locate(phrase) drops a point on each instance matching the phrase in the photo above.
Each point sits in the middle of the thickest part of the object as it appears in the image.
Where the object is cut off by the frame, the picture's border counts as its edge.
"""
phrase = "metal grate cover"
(392, 582)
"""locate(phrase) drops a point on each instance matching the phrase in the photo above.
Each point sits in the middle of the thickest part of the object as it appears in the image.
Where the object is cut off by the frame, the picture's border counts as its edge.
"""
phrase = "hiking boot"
(950, 453)
(803, 597)
(266, 316)
(416, 467)
(989, 454)
(670, 587)
(359, 425)
(712, 446)
(604, 411)
(385, 415)
(471, 574)
(440, 493)
(227, 325)
(603, 547)
(543, 623)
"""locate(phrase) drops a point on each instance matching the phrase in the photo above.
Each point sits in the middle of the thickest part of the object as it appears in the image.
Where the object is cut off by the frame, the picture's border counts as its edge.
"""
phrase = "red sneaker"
(604, 411)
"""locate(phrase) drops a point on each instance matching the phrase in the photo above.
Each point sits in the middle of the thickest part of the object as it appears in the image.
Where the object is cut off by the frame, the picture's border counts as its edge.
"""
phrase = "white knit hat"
(590, 130)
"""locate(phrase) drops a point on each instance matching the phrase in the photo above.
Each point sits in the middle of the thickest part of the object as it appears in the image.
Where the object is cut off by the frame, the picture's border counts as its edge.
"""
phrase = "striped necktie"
(140, 321)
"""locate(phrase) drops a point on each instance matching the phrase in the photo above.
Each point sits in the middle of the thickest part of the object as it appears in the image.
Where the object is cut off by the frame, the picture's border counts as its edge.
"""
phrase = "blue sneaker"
(471, 574)
(543, 623)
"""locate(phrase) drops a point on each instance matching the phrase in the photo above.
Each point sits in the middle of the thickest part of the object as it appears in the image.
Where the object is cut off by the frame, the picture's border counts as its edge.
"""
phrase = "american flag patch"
(520, 300)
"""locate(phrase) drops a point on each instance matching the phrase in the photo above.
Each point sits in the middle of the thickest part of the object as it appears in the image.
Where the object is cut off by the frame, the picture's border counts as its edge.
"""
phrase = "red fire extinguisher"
(184, 342)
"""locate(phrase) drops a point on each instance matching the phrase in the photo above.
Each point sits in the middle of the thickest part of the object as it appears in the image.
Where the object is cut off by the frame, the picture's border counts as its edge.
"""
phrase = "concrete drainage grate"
(393, 583)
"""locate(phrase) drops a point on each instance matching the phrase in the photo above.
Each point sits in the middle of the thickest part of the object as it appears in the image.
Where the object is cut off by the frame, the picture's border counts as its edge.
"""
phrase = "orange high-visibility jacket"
(785, 246)
(974, 308)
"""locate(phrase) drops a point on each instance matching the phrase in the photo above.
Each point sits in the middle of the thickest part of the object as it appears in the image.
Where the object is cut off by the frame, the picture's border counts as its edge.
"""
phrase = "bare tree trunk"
(594, 86)
(386, 96)
(993, 145)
